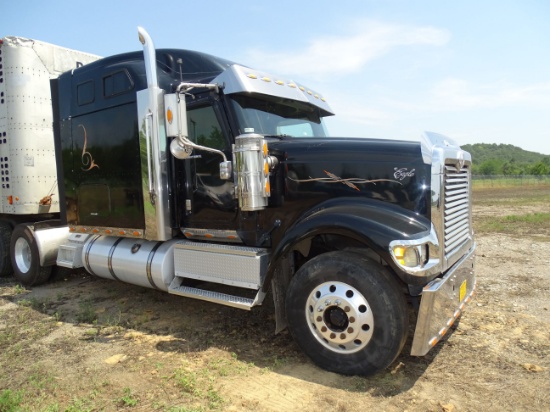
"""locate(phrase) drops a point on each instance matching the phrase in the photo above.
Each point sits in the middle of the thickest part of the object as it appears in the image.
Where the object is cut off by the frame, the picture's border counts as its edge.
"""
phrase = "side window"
(85, 93)
(204, 129)
(117, 83)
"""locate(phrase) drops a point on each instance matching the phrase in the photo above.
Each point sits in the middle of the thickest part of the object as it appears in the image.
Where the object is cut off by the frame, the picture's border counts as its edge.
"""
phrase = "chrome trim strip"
(225, 249)
(213, 235)
(107, 231)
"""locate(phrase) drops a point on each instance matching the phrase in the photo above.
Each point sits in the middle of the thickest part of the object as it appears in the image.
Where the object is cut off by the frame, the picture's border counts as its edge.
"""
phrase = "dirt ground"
(81, 343)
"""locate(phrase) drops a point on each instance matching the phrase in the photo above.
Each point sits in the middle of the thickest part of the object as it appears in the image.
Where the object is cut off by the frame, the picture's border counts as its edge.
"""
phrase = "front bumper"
(443, 300)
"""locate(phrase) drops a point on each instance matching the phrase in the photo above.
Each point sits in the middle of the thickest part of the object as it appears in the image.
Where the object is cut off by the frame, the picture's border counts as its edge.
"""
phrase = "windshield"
(276, 116)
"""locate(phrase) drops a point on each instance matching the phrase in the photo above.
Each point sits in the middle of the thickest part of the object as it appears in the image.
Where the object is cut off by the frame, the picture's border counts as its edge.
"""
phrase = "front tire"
(347, 313)
(25, 258)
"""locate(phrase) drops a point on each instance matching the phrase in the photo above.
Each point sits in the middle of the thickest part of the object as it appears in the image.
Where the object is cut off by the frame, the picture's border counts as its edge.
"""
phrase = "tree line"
(506, 159)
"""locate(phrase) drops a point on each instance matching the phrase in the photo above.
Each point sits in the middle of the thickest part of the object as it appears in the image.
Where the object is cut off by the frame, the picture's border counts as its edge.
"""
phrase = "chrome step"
(216, 297)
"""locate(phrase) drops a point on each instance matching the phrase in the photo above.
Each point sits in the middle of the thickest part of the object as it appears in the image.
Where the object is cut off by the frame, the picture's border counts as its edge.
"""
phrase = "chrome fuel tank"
(135, 261)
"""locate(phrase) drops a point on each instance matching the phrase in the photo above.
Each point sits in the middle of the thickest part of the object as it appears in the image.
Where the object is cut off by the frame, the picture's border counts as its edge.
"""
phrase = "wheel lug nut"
(324, 329)
(351, 319)
(319, 319)
(320, 309)
(338, 302)
(327, 302)
(333, 335)
(347, 309)
(342, 336)
(350, 330)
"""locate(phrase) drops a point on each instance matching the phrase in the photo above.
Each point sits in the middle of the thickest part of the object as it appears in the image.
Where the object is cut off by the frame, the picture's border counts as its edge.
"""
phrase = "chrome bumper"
(443, 300)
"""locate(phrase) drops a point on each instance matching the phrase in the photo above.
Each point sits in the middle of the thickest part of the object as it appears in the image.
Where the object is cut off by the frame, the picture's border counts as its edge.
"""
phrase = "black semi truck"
(180, 171)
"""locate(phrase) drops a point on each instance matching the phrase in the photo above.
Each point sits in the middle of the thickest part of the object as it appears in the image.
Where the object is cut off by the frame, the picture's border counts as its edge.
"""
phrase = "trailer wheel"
(347, 313)
(5, 261)
(25, 259)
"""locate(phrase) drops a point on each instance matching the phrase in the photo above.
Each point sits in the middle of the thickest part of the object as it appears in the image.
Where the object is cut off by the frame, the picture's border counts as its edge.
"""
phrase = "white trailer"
(28, 175)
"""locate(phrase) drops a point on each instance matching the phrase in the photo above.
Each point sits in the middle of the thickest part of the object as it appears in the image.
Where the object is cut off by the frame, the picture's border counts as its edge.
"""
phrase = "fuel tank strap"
(87, 255)
(110, 258)
(149, 263)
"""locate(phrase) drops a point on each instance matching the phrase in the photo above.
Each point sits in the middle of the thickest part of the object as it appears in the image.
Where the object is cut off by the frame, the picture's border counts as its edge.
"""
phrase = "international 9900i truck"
(196, 176)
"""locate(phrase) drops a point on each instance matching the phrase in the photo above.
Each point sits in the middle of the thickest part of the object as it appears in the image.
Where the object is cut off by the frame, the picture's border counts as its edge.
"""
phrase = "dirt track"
(89, 344)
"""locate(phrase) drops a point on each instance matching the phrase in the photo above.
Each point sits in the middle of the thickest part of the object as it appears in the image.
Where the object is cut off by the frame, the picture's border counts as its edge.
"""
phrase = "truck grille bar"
(457, 209)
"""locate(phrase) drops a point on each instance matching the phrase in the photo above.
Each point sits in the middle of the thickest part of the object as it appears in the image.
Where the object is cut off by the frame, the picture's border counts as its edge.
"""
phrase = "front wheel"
(25, 257)
(347, 313)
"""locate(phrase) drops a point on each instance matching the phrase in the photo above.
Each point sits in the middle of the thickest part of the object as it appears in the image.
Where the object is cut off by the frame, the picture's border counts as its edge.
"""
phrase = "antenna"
(180, 63)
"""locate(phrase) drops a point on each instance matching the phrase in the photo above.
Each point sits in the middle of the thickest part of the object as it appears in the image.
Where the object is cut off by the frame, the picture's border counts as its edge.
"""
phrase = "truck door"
(104, 178)
(210, 201)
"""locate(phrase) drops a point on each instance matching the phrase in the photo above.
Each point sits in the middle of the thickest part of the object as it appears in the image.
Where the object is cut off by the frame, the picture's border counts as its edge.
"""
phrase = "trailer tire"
(25, 258)
(5, 260)
(347, 313)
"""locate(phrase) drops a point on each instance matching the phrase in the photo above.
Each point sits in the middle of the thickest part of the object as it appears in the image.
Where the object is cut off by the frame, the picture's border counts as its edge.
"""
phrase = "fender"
(371, 222)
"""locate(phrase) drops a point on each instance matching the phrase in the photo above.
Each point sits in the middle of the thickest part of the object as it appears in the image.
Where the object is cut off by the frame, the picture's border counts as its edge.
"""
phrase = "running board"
(239, 302)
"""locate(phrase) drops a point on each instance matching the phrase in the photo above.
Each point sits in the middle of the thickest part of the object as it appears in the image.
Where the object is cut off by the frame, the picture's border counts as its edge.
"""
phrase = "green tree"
(491, 167)
(540, 168)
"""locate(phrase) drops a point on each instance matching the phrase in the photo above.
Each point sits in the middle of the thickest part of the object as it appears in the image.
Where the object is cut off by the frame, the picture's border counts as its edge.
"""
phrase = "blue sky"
(477, 71)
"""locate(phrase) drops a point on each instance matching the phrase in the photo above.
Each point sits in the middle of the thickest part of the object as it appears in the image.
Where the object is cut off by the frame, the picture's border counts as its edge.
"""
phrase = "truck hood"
(382, 170)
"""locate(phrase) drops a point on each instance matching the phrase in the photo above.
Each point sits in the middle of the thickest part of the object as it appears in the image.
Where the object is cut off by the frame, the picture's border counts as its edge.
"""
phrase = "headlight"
(410, 256)
(418, 257)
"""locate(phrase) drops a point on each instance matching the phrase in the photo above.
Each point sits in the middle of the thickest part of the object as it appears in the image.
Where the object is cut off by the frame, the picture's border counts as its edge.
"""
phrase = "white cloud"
(345, 54)
(459, 94)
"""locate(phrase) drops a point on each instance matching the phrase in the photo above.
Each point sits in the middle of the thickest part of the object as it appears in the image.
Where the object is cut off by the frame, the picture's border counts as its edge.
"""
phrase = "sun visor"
(239, 79)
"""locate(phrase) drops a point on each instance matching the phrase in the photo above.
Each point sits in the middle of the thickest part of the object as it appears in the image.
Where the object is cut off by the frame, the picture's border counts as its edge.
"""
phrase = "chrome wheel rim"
(339, 317)
(22, 252)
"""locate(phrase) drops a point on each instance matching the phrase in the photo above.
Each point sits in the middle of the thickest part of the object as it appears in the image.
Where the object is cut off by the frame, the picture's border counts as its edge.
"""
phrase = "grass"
(529, 206)
(513, 181)
(86, 312)
(511, 196)
(200, 384)
(524, 224)
(10, 401)
(128, 399)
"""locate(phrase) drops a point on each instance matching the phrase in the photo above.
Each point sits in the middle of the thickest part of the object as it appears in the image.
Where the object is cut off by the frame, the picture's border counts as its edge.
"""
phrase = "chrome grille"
(457, 209)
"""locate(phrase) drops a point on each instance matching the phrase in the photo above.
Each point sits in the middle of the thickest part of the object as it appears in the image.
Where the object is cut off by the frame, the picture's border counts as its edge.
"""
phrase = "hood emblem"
(402, 173)
(350, 182)
(460, 161)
